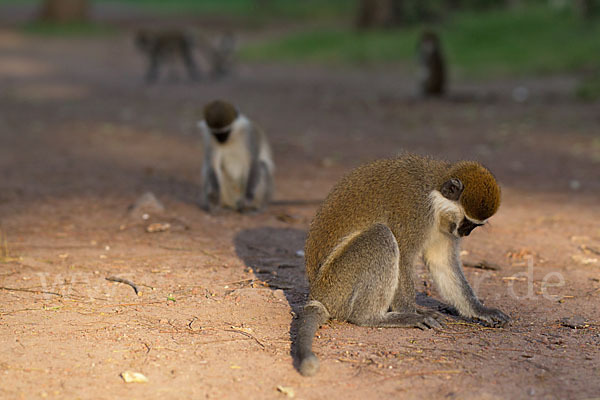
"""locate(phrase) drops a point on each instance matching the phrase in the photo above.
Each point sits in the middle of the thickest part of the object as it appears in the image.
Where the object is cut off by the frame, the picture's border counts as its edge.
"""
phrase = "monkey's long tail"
(314, 315)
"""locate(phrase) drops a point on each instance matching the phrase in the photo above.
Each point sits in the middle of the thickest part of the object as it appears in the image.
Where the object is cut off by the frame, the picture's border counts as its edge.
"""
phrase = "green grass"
(252, 9)
(589, 88)
(249, 9)
(534, 40)
(67, 29)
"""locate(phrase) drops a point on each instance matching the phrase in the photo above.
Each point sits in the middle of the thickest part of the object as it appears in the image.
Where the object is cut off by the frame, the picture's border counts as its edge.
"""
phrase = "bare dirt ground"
(81, 138)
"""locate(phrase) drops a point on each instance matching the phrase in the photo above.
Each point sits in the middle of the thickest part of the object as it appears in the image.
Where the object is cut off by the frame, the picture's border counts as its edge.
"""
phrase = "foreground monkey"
(368, 233)
(163, 46)
(432, 66)
(238, 167)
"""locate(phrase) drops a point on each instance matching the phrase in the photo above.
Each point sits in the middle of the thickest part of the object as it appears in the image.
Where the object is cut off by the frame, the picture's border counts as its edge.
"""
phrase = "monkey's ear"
(452, 189)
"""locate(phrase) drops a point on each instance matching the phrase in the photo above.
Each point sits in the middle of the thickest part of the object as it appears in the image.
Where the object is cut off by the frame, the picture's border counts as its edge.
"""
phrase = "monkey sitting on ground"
(432, 66)
(163, 46)
(368, 233)
(238, 167)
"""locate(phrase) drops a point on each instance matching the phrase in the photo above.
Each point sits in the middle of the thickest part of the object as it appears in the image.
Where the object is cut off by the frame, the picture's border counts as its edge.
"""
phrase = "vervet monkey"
(165, 46)
(369, 232)
(432, 66)
(238, 167)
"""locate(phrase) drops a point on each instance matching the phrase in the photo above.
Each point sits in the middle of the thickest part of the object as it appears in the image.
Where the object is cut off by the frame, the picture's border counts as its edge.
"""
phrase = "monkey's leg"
(405, 296)
(359, 282)
(259, 188)
(443, 261)
(190, 64)
(152, 72)
(209, 198)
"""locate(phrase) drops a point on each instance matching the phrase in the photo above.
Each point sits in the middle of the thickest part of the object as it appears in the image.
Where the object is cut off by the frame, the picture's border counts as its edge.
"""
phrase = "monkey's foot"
(492, 317)
(427, 322)
(432, 314)
(406, 320)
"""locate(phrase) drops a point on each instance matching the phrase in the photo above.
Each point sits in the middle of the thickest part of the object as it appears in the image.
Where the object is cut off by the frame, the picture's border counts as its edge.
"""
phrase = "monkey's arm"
(210, 190)
(209, 197)
(260, 183)
(259, 187)
(443, 261)
(188, 58)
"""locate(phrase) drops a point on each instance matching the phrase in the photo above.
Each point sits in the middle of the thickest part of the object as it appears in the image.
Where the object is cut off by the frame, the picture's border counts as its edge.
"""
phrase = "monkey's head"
(219, 116)
(142, 39)
(429, 43)
(475, 189)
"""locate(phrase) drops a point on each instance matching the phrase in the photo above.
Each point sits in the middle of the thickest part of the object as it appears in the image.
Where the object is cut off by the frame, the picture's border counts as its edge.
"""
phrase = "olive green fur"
(368, 233)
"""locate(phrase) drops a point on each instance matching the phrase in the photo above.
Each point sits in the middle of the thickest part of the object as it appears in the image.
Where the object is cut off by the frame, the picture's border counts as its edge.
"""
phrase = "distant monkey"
(222, 54)
(238, 167)
(432, 66)
(164, 46)
(371, 229)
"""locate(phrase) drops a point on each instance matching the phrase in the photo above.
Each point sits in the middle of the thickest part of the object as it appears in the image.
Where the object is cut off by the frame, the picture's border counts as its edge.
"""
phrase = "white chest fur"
(232, 164)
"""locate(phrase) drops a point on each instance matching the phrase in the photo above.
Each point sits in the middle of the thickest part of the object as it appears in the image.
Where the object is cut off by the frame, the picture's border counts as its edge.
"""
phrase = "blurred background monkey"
(432, 66)
(237, 171)
(221, 55)
(163, 47)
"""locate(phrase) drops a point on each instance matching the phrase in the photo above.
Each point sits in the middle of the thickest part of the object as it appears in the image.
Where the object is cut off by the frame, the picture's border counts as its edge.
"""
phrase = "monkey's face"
(458, 224)
(466, 226)
(429, 47)
(222, 136)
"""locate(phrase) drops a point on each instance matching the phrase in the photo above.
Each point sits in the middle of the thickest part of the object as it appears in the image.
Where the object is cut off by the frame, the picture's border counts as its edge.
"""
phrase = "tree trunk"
(587, 9)
(378, 13)
(65, 10)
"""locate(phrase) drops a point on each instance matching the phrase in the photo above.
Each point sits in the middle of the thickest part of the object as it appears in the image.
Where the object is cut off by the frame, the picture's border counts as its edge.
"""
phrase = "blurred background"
(483, 38)
(335, 83)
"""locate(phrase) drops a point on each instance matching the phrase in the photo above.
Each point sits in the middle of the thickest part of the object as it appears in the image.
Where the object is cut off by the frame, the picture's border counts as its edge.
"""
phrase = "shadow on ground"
(272, 254)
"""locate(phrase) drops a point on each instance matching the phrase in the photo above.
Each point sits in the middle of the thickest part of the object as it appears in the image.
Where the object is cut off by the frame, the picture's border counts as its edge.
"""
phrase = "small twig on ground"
(483, 264)
(591, 292)
(125, 281)
(239, 281)
(177, 248)
(17, 311)
(423, 373)
(476, 325)
(208, 254)
(444, 349)
(29, 291)
(280, 285)
(588, 249)
(247, 335)
(349, 360)
(191, 322)
(130, 304)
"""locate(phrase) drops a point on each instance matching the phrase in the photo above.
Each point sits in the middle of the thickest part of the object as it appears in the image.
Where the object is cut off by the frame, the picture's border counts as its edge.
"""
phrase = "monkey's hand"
(210, 203)
(491, 317)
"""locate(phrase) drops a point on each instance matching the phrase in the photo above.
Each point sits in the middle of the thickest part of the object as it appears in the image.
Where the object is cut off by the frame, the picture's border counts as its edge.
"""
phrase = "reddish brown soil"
(81, 138)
